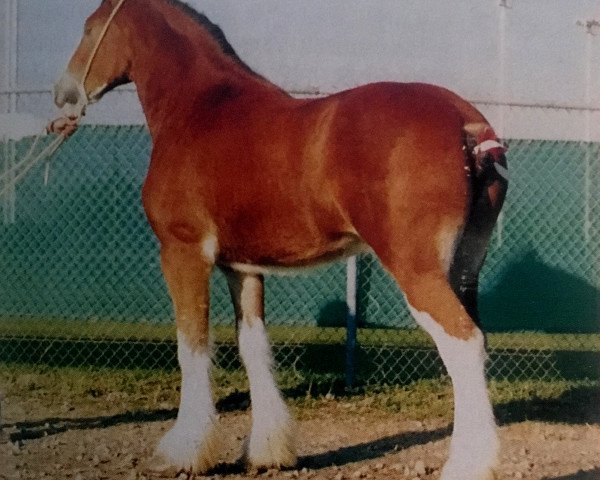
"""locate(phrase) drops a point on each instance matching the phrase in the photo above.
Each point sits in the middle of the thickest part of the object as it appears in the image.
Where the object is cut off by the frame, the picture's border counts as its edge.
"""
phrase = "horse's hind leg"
(420, 267)
(474, 445)
(192, 444)
(272, 439)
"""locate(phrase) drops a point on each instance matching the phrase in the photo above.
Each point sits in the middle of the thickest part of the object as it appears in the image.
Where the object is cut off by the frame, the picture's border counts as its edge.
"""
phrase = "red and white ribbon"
(486, 146)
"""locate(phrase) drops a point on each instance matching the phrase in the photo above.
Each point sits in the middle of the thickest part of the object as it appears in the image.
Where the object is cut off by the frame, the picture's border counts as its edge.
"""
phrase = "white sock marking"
(190, 444)
(474, 446)
(272, 438)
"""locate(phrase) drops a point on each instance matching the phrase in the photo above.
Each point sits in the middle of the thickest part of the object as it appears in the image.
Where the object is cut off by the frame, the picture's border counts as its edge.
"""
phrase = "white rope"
(25, 160)
(29, 162)
(88, 65)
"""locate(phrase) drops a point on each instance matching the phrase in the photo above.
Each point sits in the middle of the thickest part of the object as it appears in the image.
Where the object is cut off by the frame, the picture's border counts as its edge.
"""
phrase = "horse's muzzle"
(70, 96)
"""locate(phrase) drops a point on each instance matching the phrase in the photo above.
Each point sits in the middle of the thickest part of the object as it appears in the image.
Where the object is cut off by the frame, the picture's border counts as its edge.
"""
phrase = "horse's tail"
(487, 173)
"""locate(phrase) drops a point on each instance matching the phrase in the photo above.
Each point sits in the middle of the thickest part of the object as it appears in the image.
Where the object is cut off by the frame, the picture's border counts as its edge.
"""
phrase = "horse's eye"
(87, 30)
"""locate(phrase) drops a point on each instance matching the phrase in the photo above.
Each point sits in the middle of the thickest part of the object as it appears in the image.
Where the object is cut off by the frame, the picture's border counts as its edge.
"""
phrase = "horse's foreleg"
(272, 439)
(191, 444)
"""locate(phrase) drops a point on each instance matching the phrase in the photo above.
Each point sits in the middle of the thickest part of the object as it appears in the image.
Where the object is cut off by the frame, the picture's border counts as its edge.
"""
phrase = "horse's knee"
(187, 275)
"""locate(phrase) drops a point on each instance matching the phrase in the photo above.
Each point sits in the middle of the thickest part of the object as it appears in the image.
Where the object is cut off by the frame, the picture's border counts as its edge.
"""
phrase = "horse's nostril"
(72, 96)
(66, 91)
(62, 97)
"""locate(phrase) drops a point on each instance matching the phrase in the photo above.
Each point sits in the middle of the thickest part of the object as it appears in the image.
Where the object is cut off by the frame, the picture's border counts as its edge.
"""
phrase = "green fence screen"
(80, 278)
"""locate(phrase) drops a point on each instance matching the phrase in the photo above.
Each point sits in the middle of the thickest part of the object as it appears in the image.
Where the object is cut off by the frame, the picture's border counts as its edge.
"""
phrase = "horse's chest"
(256, 221)
(175, 206)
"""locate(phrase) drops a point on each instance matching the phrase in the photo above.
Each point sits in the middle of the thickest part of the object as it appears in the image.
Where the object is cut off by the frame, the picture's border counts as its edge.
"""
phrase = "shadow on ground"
(21, 431)
(375, 449)
(354, 453)
(576, 406)
(581, 475)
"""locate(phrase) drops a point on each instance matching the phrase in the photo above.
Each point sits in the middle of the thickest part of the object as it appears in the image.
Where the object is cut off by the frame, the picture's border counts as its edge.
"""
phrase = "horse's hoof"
(449, 474)
(159, 466)
(272, 449)
(181, 451)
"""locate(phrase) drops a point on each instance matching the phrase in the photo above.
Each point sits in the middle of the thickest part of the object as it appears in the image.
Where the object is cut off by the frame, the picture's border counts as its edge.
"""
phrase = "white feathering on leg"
(272, 440)
(474, 446)
(192, 443)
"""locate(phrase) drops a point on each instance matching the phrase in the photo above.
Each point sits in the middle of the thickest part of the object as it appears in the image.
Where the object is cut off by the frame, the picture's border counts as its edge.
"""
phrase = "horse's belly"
(345, 246)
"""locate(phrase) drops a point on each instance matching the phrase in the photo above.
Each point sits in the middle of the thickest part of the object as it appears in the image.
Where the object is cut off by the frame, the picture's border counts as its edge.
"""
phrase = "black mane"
(212, 28)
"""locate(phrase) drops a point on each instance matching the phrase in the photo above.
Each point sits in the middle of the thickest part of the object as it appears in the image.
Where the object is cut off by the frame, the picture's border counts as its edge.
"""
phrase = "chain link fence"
(81, 284)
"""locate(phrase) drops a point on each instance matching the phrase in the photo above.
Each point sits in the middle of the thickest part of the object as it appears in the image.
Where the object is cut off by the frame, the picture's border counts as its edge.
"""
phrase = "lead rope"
(88, 65)
(31, 159)
(22, 168)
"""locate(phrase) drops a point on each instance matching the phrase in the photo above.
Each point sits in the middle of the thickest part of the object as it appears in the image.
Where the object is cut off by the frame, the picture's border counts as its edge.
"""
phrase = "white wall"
(329, 45)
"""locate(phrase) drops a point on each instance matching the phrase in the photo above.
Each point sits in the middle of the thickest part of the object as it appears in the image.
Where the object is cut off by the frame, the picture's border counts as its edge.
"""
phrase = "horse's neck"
(176, 71)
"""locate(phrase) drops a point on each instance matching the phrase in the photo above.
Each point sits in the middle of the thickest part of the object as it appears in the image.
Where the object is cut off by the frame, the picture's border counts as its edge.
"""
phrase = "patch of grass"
(59, 390)
(54, 391)
(225, 333)
(522, 400)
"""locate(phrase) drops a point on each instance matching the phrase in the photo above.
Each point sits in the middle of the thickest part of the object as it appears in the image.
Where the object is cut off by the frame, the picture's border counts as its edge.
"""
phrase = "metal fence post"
(8, 202)
(592, 28)
(10, 52)
(351, 321)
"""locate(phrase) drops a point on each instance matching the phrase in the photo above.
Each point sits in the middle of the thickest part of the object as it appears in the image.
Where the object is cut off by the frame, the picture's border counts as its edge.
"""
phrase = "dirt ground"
(336, 442)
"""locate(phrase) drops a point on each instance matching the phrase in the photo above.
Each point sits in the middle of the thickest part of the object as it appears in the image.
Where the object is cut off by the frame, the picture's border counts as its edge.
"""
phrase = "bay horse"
(246, 178)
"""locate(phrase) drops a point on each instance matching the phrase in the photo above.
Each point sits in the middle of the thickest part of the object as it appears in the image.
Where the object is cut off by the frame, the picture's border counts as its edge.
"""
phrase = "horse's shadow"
(21, 431)
(576, 406)
(341, 456)
(374, 449)
(581, 475)
(353, 453)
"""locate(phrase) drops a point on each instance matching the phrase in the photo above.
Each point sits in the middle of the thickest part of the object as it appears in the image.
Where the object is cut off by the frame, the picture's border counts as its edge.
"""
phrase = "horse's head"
(99, 64)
